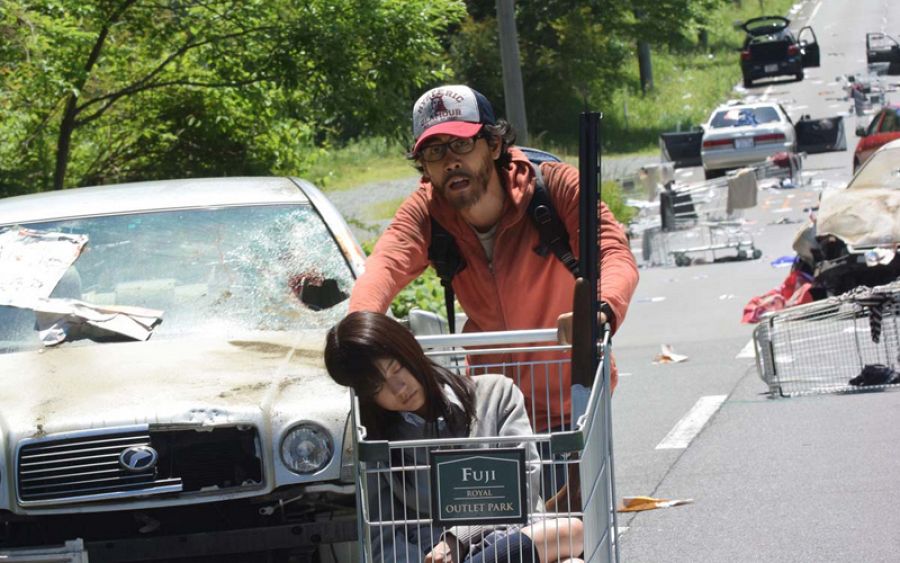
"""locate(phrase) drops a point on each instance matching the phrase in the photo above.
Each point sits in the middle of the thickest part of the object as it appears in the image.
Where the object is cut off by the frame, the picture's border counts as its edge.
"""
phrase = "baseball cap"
(450, 110)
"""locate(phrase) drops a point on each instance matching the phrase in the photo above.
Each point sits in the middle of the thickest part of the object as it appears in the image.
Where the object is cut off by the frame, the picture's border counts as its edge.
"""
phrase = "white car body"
(739, 135)
(213, 391)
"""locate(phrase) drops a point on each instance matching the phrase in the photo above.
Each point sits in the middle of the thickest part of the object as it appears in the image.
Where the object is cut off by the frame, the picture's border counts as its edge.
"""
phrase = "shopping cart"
(576, 464)
(822, 346)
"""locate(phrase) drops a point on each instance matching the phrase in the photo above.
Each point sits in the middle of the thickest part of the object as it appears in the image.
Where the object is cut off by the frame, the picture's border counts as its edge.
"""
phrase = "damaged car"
(857, 229)
(771, 49)
(164, 395)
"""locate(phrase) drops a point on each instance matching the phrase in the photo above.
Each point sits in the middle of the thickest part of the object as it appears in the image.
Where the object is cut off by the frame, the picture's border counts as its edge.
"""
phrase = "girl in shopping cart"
(403, 395)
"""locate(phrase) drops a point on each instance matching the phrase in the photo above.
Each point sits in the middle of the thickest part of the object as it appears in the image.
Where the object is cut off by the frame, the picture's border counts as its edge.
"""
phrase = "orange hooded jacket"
(521, 290)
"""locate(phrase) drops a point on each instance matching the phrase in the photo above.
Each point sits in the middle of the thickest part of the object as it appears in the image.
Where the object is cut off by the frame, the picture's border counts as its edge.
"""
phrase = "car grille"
(86, 467)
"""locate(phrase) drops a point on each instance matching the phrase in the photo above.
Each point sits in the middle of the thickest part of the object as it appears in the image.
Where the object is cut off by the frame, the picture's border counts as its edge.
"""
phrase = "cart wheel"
(682, 260)
(742, 255)
(757, 253)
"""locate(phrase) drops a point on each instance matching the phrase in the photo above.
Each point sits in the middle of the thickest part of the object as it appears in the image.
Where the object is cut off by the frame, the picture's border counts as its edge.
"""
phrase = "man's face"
(461, 179)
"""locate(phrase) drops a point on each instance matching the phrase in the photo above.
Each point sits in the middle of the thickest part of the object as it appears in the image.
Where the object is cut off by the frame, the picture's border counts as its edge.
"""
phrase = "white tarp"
(33, 262)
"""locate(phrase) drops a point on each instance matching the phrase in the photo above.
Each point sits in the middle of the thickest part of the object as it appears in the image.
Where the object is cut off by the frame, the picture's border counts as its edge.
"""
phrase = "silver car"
(744, 134)
(160, 356)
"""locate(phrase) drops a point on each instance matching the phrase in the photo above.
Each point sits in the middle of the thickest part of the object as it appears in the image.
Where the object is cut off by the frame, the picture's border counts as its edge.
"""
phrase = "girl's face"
(401, 390)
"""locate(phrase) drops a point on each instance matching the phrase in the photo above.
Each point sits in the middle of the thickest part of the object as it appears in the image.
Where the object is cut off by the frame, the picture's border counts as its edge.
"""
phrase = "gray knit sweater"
(500, 411)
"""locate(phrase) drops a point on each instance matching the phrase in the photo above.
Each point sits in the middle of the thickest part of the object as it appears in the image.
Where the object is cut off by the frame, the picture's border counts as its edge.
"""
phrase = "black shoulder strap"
(551, 229)
(447, 262)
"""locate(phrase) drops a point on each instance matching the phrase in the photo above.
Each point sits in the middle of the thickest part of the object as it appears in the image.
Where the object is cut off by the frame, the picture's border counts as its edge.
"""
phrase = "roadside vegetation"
(105, 91)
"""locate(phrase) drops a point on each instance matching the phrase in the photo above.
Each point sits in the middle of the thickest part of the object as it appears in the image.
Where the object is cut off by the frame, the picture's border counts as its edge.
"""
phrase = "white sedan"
(742, 135)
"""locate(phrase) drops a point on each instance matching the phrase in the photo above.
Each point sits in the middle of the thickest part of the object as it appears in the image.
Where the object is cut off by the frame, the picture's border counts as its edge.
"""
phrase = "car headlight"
(307, 448)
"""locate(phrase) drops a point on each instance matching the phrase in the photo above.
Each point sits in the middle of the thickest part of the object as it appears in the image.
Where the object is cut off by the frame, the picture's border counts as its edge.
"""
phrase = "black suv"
(770, 49)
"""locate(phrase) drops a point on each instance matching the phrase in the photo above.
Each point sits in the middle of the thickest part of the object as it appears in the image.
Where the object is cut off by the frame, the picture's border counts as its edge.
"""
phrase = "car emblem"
(137, 459)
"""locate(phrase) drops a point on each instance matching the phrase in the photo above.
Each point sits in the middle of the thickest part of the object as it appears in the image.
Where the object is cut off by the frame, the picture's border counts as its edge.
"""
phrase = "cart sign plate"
(478, 486)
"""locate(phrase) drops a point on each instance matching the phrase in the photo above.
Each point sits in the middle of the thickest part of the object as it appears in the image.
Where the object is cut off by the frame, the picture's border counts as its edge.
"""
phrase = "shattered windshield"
(169, 274)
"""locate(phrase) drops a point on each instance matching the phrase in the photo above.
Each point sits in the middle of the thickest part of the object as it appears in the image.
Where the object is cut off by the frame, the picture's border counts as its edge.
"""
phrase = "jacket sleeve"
(399, 256)
(617, 267)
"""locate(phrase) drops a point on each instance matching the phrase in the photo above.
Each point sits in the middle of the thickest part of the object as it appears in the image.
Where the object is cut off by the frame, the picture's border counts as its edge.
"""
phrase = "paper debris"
(635, 504)
(668, 356)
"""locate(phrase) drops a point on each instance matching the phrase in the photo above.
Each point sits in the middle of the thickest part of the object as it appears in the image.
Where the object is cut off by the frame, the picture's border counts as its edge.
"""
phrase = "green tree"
(107, 90)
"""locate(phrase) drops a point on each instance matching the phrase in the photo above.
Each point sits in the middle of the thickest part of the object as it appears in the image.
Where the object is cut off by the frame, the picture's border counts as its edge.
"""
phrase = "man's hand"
(447, 551)
(564, 327)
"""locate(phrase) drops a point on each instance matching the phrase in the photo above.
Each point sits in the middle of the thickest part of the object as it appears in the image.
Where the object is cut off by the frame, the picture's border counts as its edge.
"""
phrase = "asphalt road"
(813, 478)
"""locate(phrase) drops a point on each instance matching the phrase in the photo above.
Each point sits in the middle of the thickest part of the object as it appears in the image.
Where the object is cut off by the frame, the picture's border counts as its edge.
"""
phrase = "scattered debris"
(668, 356)
(636, 504)
(783, 262)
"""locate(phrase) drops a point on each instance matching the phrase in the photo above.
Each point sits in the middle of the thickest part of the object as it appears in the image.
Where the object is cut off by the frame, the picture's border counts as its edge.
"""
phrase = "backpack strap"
(551, 229)
(447, 261)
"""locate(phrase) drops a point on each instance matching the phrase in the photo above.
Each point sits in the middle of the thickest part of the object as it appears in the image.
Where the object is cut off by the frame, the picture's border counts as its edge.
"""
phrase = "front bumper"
(792, 66)
(290, 521)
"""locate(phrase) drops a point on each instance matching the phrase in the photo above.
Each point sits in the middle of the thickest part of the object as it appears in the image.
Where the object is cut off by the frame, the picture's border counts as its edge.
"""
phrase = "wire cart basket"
(841, 344)
(573, 461)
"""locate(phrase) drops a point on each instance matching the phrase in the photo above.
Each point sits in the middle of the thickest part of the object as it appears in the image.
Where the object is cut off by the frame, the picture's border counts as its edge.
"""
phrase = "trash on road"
(636, 504)
(668, 356)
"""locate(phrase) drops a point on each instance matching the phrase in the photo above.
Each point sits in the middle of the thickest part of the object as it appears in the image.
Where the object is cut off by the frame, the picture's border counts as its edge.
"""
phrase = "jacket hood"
(198, 381)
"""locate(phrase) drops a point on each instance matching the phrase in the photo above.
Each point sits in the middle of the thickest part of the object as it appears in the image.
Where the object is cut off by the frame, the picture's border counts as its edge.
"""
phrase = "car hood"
(193, 381)
(861, 218)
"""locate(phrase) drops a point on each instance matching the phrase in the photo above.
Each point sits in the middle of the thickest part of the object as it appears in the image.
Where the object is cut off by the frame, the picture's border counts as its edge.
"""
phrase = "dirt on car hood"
(861, 218)
(203, 381)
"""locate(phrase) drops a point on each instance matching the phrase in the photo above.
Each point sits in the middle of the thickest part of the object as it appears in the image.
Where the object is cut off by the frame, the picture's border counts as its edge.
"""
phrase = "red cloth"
(794, 290)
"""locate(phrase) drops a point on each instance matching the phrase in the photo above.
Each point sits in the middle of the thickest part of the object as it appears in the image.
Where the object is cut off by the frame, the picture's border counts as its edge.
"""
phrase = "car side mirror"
(860, 131)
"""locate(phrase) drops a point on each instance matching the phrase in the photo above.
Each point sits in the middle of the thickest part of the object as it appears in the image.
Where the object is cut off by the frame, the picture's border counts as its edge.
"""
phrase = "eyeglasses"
(435, 152)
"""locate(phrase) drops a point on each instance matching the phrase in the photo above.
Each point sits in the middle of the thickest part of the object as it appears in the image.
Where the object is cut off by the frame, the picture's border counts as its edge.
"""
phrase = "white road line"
(748, 351)
(814, 12)
(690, 425)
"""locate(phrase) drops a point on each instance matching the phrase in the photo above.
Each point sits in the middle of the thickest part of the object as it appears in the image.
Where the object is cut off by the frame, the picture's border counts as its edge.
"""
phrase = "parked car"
(742, 134)
(884, 128)
(737, 135)
(160, 352)
(857, 229)
(881, 48)
(771, 49)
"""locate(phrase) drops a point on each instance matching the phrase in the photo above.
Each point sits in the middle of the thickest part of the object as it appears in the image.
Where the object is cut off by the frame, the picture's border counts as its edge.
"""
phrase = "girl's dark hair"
(501, 131)
(360, 339)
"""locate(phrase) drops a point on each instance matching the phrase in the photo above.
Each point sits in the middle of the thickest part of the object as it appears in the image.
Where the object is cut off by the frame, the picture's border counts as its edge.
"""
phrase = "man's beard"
(478, 185)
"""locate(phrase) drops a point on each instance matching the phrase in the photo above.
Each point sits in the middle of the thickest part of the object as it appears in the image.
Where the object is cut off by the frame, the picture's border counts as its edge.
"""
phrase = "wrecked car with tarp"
(856, 234)
(163, 389)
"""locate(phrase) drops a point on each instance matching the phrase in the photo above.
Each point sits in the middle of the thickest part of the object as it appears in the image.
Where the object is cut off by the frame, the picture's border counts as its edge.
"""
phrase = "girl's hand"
(447, 551)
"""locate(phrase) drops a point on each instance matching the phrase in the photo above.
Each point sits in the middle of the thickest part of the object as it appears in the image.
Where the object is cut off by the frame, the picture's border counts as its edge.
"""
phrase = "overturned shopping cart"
(841, 344)
(574, 460)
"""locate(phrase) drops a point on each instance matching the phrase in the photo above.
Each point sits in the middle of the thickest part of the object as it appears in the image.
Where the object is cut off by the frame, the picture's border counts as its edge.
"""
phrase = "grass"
(361, 162)
(688, 84)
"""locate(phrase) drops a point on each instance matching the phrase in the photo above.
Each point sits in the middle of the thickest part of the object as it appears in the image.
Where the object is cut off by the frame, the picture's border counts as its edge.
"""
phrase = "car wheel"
(713, 174)
(748, 82)
(799, 75)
